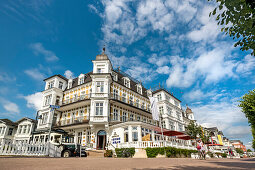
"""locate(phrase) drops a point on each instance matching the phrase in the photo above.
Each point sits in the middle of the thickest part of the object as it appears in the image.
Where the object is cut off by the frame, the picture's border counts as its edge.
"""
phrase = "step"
(96, 153)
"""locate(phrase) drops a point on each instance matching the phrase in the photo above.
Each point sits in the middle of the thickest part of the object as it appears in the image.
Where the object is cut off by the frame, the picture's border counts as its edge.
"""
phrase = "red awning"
(171, 133)
(184, 137)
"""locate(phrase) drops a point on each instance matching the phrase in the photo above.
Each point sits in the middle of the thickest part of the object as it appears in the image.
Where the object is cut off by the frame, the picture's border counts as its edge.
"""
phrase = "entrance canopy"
(184, 137)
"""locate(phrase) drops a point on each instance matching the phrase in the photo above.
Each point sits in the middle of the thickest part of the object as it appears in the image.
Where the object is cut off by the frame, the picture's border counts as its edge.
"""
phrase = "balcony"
(99, 119)
(130, 102)
(79, 98)
(72, 121)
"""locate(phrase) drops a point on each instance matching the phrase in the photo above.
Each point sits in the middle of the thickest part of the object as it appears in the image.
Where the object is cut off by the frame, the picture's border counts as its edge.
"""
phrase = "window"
(144, 119)
(124, 119)
(161, 110)
(81, 80)
(60, 85)
(115, 114)
(57, 100)
(115, 94)
(137, 103)
(3, 130)
(25, 129)
(167, 98)
(70, 84)
(100, 87)
(134, 134)
(131, 117)
(28, 128)
(51, 84)
(169, 110)
(180, 127)
(143, 105)
(47, 100)
(99, 109)
(159, 97)
(171, 125)
(139, 89)
(20, 129)
(115, 77)
(176, 103)
(138, 118)
(44, 118)
(125, 136)
(178, 114)
(124, 97)
(10, 131)
(99, 70)
(131, 100)
(127, 82)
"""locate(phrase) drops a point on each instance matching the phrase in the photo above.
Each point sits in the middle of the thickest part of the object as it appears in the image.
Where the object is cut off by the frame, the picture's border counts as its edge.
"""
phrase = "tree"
(193, 130)
(238, 150)
(248, 108)
(237, 18)
(248, 150)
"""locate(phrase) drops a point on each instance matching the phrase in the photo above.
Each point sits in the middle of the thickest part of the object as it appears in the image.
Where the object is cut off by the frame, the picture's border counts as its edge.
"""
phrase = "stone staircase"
(96, 153)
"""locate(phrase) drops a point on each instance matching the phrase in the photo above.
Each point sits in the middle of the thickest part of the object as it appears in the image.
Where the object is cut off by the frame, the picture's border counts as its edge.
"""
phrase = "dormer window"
(60, 85)
(51, 84)
(81, 79)
(115, 77)
(99, 70)
(139, 89)
(70, 83)
(126, 82)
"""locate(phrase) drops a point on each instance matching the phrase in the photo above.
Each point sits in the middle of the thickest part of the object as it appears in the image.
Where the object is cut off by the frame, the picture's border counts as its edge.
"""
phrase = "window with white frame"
(169, 110)
(124, 97)
(100, 87)
(161, 110)
(47, 100)
(163, 124)
(137, 103)
(28, 128)
(124, 117)
(60, 85)
(70, 83)
(138, 118)
(115, 114)
(115, 94)
(44, 118)
(176, 103)
(25, 129)
(115, 77)
(81, 80)
(139, 89)
(51, 84)
(99, 70)
(171, 125)
(131, 117)
(20, 129)
(99, 109)
(125, 134)
(143, 105)
(180, 127)
(131, 100)
(127, 82)
(178, 114)
(134, 134)
(167, 97)
(10, 131)
(159, 96)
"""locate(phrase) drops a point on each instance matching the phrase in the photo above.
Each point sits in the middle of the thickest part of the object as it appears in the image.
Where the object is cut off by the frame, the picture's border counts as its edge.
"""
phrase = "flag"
(154, 108)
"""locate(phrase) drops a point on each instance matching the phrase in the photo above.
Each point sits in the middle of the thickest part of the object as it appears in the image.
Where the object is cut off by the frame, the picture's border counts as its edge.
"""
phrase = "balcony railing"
(130, 102)
(75, 99)
(70, 121)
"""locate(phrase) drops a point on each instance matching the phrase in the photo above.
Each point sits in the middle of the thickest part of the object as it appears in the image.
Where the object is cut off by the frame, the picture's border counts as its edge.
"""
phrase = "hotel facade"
(107, 108)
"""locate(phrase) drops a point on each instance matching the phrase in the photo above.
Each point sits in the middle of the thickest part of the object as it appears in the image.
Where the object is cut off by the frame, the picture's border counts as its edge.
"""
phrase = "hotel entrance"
(101, 139)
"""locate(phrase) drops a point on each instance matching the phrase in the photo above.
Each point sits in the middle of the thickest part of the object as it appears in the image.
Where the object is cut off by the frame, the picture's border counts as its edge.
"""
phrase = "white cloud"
(40, 50)
(197, 94)
(69, 74)
(9, 106)
(34, 100)
(246, 65)
(35, 74)
(209, 29)
(224, 115)
(4, 77)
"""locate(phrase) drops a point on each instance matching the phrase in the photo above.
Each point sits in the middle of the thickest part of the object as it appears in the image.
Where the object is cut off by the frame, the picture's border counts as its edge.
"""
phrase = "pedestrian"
(201, 149)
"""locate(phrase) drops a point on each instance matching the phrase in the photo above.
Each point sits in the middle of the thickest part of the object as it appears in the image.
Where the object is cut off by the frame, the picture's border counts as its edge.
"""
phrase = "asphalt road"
(124, 163)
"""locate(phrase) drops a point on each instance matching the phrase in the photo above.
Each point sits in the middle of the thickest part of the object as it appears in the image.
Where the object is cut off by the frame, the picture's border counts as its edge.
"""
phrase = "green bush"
(171, 152)
(125, 152)
(108, 153)
(210, 154)
(224, 155)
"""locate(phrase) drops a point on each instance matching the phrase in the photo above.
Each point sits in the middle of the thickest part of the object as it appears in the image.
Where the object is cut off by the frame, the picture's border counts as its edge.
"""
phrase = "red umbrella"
(184, 137)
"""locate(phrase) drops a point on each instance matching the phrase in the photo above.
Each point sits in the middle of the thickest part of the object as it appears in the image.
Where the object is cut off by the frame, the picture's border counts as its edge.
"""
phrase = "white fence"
(155, 144)
(8, 147)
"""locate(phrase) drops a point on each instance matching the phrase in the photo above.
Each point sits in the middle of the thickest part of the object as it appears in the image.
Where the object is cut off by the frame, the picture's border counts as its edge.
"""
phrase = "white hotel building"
(108, 108)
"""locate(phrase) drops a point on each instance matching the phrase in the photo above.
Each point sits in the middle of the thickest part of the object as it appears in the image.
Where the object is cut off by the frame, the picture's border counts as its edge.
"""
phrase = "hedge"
(108, 153)
(125, 152)
(171, 152)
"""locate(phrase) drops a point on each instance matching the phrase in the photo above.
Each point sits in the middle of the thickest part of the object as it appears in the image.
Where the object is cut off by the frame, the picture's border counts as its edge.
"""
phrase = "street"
(124, 163)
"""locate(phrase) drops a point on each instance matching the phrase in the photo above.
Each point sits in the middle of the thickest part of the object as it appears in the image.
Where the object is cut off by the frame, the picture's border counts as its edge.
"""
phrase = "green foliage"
(238, 150)
(224, 155)
(108, 153)
(125, 152)
(171, 152)
(193, 130)
(248, 108)
(248, 150)
(210, 154)
(237, 18)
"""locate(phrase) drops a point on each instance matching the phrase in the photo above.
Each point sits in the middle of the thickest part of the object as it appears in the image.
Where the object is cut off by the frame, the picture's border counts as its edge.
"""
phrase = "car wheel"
(66, 154)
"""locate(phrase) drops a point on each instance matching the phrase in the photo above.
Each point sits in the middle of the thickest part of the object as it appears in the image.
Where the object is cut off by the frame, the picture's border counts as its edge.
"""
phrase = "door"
(101, 139)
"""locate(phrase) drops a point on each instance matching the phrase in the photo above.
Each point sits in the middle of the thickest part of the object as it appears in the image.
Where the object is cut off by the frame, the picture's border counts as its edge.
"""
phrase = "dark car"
(73, 150)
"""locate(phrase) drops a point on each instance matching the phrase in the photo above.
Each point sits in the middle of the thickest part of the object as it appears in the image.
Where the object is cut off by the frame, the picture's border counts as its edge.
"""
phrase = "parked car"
(73, 150)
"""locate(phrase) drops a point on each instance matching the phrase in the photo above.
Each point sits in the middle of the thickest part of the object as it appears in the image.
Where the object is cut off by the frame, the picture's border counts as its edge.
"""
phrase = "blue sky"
(173, 43)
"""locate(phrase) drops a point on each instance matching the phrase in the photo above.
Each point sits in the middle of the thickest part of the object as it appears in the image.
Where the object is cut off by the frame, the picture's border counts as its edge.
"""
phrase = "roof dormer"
(139, 89)
(81, 79)
(70, 83)
(126, 82)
